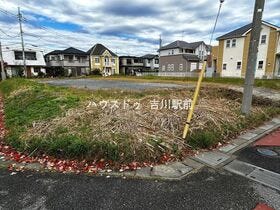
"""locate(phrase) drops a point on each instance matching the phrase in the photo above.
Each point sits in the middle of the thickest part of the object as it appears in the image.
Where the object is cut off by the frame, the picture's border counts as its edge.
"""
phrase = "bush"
(95, 72)
(204, 139)
(56, 72)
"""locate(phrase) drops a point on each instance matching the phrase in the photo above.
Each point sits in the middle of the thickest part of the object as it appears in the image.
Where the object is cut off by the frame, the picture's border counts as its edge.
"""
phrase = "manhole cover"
(267, 152)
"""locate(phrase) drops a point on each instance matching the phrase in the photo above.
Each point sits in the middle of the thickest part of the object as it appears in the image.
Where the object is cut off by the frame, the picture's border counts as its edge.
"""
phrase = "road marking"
(254, 173)
(262, 206)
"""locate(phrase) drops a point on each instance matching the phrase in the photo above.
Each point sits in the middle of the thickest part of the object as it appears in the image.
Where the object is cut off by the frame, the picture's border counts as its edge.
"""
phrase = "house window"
(224, 66)
(28, 55)
(113, 60)
(69, 58)
(260, 65)
(149, 61)
(82, 59)
(163, 68)
(106, 59)
(37, 69)
(228, 44)
(129, 61)
(238, 65)
(189, 51)
(263, 39)
(96, 60)
(168, 67)
(156, 61)
(233, 43)
(172, 52)
(181, 50)
(172, 67)
(181, 67)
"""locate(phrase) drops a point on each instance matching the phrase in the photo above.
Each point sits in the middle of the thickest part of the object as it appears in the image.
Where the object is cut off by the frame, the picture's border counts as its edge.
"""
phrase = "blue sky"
(126, 27)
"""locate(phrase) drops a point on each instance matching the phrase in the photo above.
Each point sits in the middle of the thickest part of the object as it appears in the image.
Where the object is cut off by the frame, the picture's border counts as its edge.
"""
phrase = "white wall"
(262, 53)
(202, 48)
(232, 55)
(9, 57)
(169, 52)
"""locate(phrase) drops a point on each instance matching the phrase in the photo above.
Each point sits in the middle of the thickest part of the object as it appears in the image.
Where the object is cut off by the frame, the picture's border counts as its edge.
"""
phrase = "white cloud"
(129, 27)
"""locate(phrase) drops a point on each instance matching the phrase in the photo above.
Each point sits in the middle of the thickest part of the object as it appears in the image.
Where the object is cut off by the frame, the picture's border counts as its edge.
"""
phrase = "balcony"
(107, 64)
(69, 63)
(79, 63)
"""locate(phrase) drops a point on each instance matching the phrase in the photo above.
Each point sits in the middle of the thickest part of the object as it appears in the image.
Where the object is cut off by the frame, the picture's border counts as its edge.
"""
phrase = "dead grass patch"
(145, 133)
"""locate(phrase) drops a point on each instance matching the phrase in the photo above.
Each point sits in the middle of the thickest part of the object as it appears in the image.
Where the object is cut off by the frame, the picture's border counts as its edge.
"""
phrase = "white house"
(13, 60)
(231, 56)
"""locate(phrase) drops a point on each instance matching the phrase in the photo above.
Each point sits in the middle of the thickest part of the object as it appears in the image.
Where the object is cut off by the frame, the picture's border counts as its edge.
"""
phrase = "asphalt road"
(94, 84)
(207, 189)
(252, 156)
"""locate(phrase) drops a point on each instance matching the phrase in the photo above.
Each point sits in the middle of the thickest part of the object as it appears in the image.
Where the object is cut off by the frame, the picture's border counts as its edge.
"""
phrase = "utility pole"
(252, 57)
(22, 41)
(3, 74)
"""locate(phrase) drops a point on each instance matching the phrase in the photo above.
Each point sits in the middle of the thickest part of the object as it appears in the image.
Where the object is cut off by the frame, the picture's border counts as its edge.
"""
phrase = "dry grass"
(58, 121)
(148, 132)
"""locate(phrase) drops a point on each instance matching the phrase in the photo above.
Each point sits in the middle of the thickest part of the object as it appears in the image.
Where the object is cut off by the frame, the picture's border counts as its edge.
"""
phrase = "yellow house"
(231, 56)
(103, 60)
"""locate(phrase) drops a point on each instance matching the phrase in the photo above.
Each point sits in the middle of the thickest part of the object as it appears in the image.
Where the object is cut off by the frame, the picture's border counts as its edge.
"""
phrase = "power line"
(8, 13)
(216, 21)
(36, 24)
(8, 34)
(10, 44)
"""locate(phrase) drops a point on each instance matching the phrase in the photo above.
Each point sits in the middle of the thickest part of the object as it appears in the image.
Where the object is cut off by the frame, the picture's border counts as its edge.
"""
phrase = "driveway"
(94, 84)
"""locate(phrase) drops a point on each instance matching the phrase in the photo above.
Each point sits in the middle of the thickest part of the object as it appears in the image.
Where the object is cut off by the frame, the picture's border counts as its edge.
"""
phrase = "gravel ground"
(94, 84)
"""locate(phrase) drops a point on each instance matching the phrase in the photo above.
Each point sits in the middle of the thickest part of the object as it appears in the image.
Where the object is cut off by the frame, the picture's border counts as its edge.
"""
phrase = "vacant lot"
(121, 125)
(95, 84)
(264, 83)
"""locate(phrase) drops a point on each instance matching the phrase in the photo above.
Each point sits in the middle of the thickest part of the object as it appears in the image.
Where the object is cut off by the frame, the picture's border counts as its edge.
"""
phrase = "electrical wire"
(216, 21)
(9, 13)
(8, 34)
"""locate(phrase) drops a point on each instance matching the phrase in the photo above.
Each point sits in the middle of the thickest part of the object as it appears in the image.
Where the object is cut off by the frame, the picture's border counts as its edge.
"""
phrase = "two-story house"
(14, 64)
(181, 58)
(103, 60)
(130, 65)
(150, 63)
(230, 57)
(72, 60)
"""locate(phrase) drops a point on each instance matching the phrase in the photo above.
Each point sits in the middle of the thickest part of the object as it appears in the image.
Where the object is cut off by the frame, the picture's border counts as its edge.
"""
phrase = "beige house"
(103, 60)
(230, 57)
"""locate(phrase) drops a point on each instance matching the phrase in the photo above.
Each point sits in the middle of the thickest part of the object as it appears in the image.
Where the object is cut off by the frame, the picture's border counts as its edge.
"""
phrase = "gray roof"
(68, 51)
(149, 56)
(99, 49)
(240, 31)
(182, 44)
(191, 57)
(129, 56)
(236, 33)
